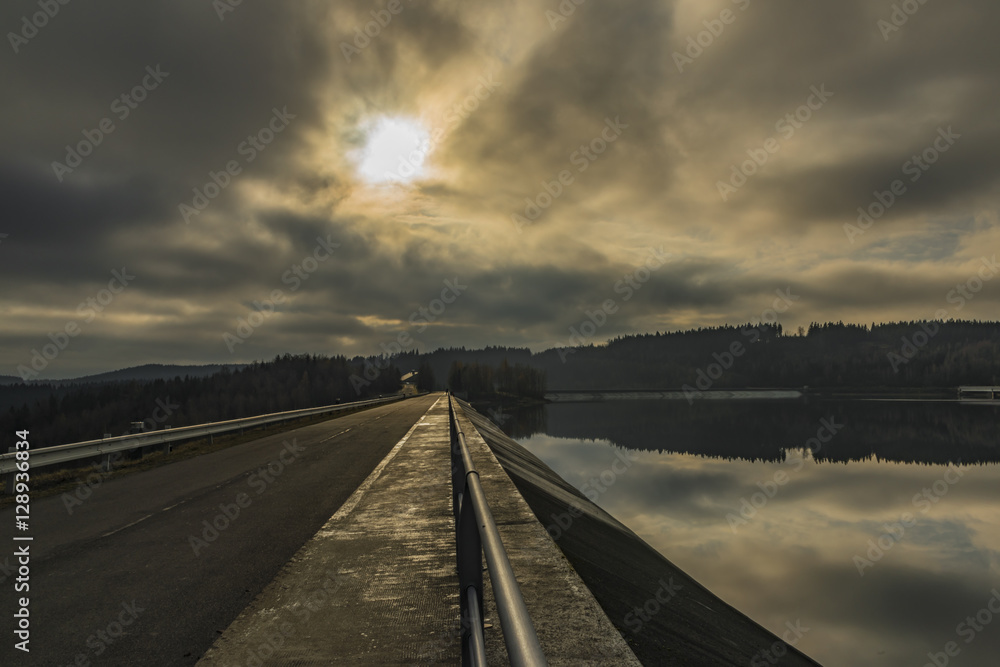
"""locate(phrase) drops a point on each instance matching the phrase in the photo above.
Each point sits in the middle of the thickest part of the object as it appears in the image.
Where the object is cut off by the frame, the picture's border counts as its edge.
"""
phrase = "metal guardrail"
(477, 534)
(979, 393)
(47, 456)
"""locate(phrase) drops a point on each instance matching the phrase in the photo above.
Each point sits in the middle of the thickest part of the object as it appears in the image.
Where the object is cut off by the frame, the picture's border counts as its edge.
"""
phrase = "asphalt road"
(133, 576)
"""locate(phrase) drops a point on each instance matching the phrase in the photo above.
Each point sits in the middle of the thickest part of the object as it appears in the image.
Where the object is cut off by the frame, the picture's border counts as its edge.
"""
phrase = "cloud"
(555, 87)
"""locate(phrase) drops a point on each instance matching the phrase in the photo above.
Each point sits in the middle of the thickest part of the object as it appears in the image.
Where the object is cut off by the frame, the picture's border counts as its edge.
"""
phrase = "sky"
(205, 182)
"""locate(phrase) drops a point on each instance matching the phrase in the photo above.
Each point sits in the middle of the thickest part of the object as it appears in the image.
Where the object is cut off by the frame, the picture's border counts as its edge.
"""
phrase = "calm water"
(883, 541)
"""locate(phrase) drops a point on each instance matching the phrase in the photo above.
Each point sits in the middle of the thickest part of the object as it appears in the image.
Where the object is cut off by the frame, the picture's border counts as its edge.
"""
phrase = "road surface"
(138, 573)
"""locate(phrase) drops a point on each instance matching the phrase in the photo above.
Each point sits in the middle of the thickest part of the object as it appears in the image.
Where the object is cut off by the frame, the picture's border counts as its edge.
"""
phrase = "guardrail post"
(470, 576)
(457, 467)
(469, 548)
(8, 479)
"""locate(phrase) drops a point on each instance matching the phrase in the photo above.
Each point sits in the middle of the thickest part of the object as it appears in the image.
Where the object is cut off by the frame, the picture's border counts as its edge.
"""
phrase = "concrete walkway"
(571, 625)
(377, 584)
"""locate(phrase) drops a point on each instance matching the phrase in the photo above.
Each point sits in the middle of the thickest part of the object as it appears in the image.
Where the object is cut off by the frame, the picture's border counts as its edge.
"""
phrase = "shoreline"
(759, 393)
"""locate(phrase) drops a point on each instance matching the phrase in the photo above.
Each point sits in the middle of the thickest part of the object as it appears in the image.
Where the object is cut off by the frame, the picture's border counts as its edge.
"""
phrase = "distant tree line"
(425, 378)
(72, 413)
(481, 381)
(895, 355)
(911, 432)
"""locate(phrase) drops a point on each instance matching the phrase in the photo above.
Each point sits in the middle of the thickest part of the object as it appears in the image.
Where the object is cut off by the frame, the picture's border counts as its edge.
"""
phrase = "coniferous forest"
(482, 381)
(894, 356)
(899, 355)
(64, 413)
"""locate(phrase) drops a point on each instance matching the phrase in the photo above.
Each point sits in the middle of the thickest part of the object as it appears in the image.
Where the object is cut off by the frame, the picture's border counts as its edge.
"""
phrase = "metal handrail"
(523, 647)
(45, 456)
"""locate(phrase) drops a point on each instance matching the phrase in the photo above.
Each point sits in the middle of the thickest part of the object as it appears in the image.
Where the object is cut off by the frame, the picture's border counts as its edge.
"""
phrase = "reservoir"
(871, 527)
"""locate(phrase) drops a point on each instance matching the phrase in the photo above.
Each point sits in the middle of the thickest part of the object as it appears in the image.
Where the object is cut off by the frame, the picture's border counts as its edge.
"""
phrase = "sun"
(395, 151)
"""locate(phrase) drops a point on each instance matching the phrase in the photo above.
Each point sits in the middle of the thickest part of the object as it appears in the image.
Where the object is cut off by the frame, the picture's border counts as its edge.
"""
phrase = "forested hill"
(894, 355)
(62, 413)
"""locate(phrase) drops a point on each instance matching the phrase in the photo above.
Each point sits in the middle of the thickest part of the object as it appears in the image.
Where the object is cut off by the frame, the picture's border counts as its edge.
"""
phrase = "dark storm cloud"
(606, 62)
(223, 79)
(817, 195)
(936, 245)
(63, 229)
(558, 86)
(928, 75)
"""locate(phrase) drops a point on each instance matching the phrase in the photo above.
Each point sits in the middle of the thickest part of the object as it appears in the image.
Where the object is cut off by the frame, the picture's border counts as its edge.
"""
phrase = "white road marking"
(127, 526)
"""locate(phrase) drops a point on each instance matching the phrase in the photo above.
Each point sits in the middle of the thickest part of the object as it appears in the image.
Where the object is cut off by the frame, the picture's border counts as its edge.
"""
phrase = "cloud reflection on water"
(795, 557)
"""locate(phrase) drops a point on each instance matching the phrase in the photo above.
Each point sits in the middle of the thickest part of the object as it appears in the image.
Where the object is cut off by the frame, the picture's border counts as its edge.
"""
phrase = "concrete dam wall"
(666, 617)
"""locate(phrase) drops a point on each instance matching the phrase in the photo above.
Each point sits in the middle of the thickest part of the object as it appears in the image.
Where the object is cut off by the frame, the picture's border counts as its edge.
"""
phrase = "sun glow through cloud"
(395, 151)
(418, 152)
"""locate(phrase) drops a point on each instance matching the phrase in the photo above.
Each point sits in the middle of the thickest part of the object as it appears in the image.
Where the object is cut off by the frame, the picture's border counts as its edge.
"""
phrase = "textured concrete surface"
(377, 584)
(571, 626)
(667, 617)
